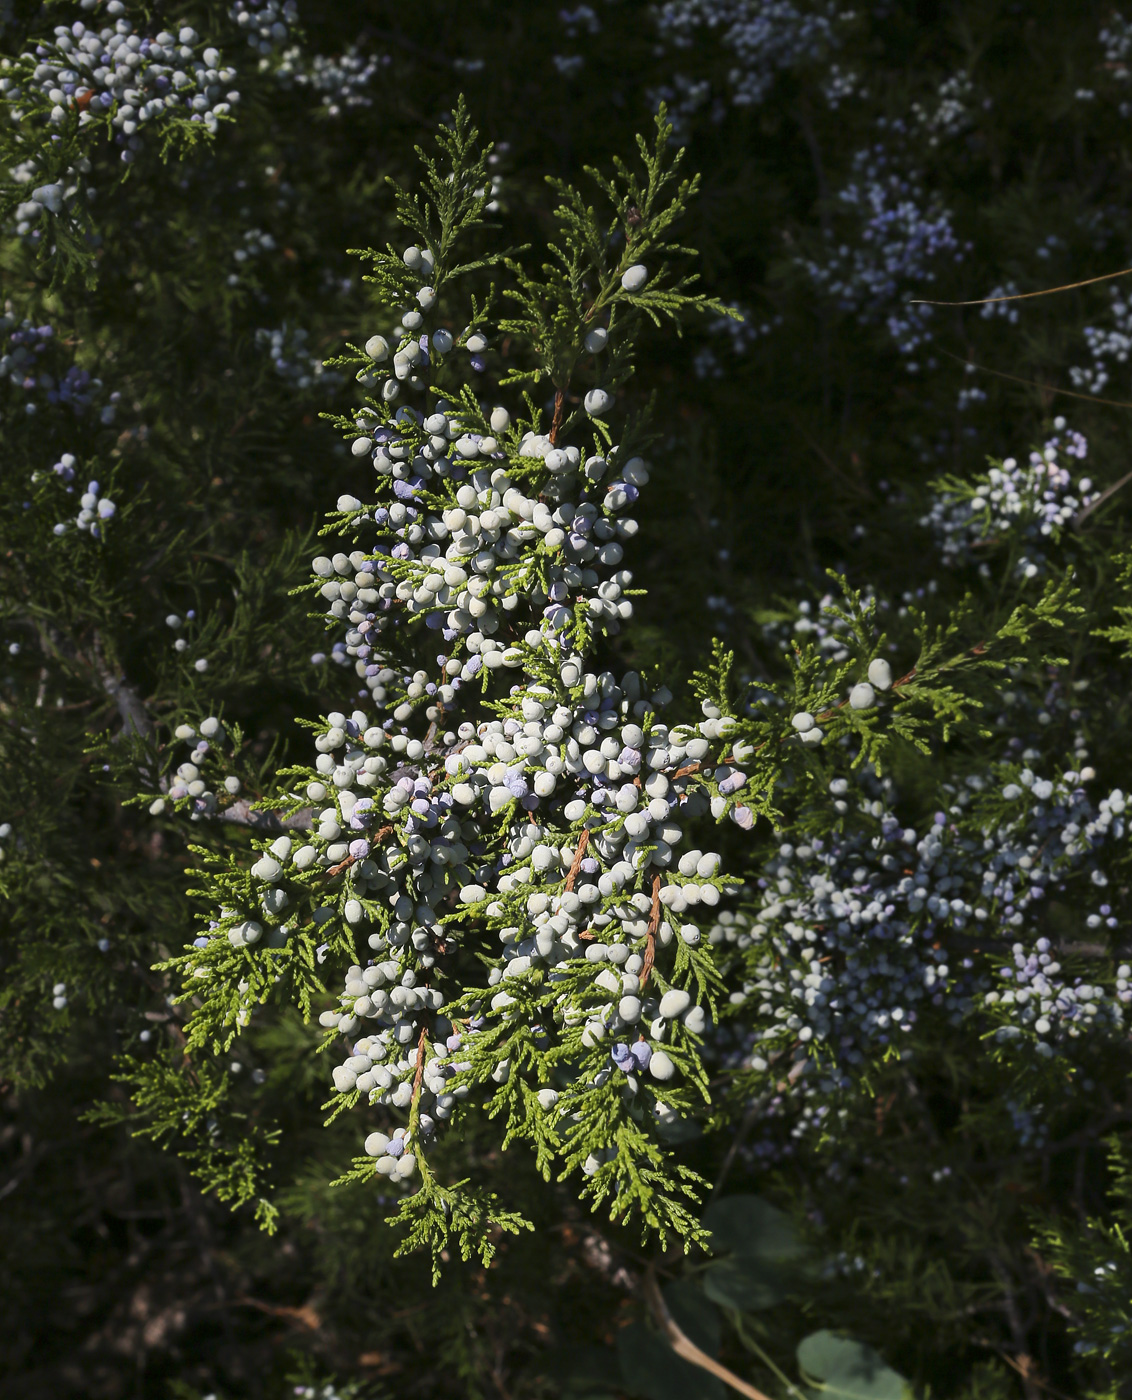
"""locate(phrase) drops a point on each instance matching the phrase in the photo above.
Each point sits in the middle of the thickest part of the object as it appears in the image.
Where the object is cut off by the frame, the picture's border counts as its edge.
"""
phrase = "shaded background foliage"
(801, 441)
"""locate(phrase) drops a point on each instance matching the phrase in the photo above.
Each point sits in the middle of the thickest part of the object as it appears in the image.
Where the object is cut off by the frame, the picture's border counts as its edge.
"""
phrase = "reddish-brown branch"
(556, 421)
(378, 835)
(306, 1316)
(654, 924)
(576, 863)
(420, 1062)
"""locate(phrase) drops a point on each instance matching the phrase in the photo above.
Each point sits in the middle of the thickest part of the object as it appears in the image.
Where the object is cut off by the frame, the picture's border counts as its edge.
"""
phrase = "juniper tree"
(506, 894)
(928, 1107)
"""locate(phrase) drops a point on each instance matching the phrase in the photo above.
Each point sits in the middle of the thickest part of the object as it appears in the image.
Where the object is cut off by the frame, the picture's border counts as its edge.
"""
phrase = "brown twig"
(654, 924)
(697, 767)
(306, 1316)
(1035, 384)
(576, 863)
(556, 421)
(1025, 296)
(420, 1063)
(683, 1345)
(379, 835)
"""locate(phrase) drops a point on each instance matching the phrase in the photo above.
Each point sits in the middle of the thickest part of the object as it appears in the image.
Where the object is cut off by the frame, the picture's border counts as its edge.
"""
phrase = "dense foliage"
(564, 694)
